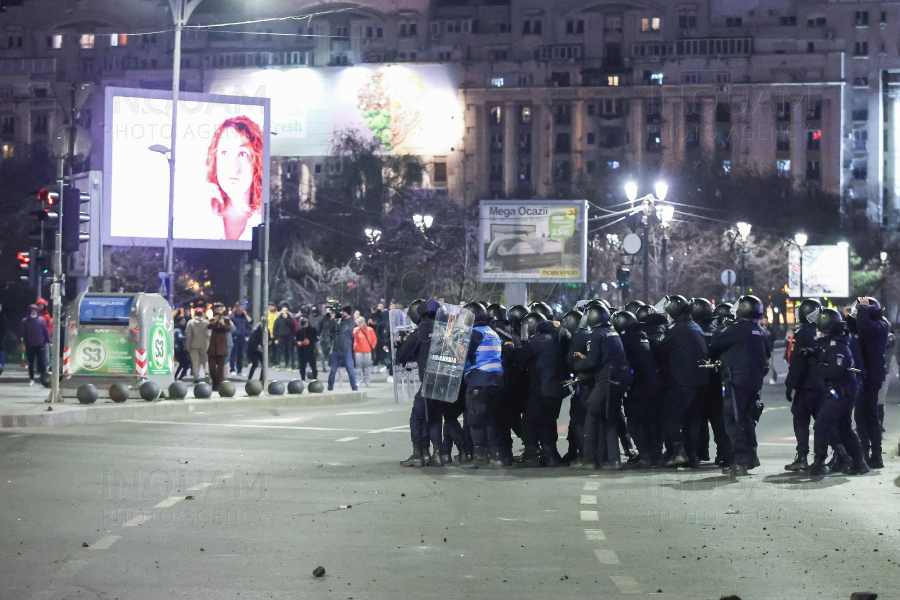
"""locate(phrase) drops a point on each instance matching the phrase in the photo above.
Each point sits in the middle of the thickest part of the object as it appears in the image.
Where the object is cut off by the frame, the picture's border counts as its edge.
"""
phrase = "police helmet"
(542, 308)
(829, 320)
(701, 309)
(477, 309)
(633, 306)
(516, 314)
(417, 310)
(677, 306)
(806, 308)
(722, 312)
(497, 312)
(530, 323)
(597, 316)
(623, 320)
(648, 315)
(571, 321)
(749, 308)
(874, 307)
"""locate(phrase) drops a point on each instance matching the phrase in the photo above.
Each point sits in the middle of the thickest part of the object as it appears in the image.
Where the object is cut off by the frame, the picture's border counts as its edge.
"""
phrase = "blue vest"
(487, 355)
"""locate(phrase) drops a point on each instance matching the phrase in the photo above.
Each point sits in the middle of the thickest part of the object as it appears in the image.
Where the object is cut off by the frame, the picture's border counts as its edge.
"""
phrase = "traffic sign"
(632, 243)
(728, 277)
(165, 286)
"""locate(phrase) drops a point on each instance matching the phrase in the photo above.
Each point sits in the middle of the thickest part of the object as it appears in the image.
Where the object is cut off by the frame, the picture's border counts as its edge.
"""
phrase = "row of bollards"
(178, 390)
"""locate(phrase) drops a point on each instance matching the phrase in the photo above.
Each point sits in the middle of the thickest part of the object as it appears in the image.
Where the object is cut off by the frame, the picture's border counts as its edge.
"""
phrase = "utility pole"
(264, 308)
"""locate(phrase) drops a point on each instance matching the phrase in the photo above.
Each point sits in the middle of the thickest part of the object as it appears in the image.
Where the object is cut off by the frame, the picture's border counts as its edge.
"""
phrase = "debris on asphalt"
(346, 506)
(202, 550)
(863, 596)
(403, 495)
(49, 409)
(731, 597)
(733, 512)
(319, 572)
(84, 545)
(188, 497)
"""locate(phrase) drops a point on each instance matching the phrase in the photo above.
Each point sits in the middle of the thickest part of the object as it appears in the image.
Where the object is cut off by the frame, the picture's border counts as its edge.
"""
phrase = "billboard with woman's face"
(221, 162)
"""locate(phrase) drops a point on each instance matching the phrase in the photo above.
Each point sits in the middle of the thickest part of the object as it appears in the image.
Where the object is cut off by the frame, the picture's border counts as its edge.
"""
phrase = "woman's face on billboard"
(234, 166)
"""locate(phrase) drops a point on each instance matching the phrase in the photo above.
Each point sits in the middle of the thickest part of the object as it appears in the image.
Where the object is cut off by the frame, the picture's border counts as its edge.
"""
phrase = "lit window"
(87, 41)
(783, 168)
(614, 164)
(57, 41)
(654, 24)
(645, 24)
(612, 80)
(726, 166)
(525, 115)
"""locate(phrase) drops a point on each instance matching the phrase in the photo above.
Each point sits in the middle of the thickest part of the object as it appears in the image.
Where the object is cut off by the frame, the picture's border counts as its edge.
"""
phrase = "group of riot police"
(654, 379)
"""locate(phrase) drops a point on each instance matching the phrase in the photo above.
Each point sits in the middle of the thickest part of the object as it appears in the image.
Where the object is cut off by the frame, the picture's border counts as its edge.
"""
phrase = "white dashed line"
(591, 486)
(588, 499)
(626, 584)
(169, 501)
(247, 425)
(607, 557)
(590, 515)
(395, 429)
(347, 439)
(594, 534)
(199, 486)
(105, 542)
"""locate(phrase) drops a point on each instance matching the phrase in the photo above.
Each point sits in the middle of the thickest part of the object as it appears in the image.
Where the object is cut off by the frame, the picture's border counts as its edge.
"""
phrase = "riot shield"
(449, 347)
(406, 376)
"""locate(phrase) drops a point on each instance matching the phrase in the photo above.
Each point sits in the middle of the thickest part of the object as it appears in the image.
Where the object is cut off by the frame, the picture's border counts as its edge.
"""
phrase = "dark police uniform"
(707, 411)
(873, 340)
(508, 414)
(578, 343)
(832, 362)
(685, 348)
(484, 386)
(544, 356)
(744, 349)
(806, 385)
(607, 369)
(643, 394)
(425, 418)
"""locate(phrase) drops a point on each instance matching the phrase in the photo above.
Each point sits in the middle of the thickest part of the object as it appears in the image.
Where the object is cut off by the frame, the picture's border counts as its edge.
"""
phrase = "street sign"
(165, 286)
(632, 243)
(63, 91)
(728, 277)
(59, 145)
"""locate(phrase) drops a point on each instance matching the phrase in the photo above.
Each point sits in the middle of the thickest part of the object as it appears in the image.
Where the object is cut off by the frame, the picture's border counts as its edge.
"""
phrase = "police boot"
(447, 458)
(754, 460)
(819, 468)
(800, 464)
(875, 461)
(694, 461)
(498, 460)
(842, 460)
(416, 459)
(858, 465)
(641, 463)
(549, 457)
(479, 459)
(738, 469)
(678, 458)
(436, 460)
(530, 458)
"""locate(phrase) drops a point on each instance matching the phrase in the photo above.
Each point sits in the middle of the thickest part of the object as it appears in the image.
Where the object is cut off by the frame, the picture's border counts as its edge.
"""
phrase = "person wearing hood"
(745, 350)
(873, 342)
(34, 337)
(545, 358)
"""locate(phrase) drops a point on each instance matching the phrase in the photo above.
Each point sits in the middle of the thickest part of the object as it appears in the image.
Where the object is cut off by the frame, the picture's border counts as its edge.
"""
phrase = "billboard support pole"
(264, 305)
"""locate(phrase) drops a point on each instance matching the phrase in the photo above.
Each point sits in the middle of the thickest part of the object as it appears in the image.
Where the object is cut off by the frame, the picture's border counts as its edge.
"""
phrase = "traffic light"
(256, 243)
(27, 265)
(47, 221)
(72, 236)
(623, 275)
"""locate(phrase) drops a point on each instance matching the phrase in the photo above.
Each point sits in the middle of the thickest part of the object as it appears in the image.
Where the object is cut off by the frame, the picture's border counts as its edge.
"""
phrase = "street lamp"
(664, 213)
(423, 222)
(800, 239)
(373, 235)
(744, 231)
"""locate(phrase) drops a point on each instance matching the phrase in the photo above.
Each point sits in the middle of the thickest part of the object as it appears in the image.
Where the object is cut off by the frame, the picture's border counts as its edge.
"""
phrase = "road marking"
(200, 486)
(589, 499)
(347, 439)
(105, 542)
(595, 535)
(607, 557)
(591, 486)
(255, 426)
(775, 444)
(395, 429)
(590, 515)
(626, 584)
(361, 412)
(169, 501)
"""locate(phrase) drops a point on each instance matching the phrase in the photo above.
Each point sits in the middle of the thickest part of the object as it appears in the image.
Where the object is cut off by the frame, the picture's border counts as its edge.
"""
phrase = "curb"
(160, 408)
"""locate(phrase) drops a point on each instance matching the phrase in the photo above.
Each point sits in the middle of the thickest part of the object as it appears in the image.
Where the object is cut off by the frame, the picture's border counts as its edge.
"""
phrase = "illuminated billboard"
(221, 171)
(826, 271)
(533, 241)
(412, 109)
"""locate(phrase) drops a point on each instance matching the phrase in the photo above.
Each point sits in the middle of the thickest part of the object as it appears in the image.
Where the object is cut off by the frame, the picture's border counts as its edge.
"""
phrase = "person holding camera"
(342, 349)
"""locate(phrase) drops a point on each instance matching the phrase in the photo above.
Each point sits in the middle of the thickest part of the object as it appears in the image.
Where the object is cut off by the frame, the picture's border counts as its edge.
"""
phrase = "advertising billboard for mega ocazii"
(532, 241)
(410, 109)
(221, 169)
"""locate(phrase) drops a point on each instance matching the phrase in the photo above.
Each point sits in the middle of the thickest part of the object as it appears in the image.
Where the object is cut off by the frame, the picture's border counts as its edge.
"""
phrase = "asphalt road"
(278, 493)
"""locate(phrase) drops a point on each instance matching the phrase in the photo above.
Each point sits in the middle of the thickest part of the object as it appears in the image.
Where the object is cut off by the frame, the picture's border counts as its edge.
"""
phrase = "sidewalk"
(22, 405)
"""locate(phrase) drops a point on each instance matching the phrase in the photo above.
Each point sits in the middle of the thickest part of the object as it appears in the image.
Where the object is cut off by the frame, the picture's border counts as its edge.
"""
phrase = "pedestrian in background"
(217, 352)
(255, 350)
(182, 356)
(270, 321)
(242, 328)
(4, 331)
(326, 338)
(197, 340)
(364, 344)
(307, 337)
(33, 338)
(342, 350)
(284, 332)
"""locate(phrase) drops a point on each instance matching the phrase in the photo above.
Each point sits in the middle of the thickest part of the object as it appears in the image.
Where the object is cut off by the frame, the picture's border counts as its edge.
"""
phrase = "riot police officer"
(744, 350)
(643, 394)
(483, 376)
(515, 383)
(833, 363)
(873, 339)
(708, 406)
(604, 369)
(575, 334)
(685, 351)
(544, 356)
(803, 386)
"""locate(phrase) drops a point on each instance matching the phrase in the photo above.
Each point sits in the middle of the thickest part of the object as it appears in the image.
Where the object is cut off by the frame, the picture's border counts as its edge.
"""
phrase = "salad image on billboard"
(524, 241)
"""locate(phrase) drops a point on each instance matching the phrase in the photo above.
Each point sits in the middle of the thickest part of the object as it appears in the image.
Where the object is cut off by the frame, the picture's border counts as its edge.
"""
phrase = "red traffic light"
(48, 197)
